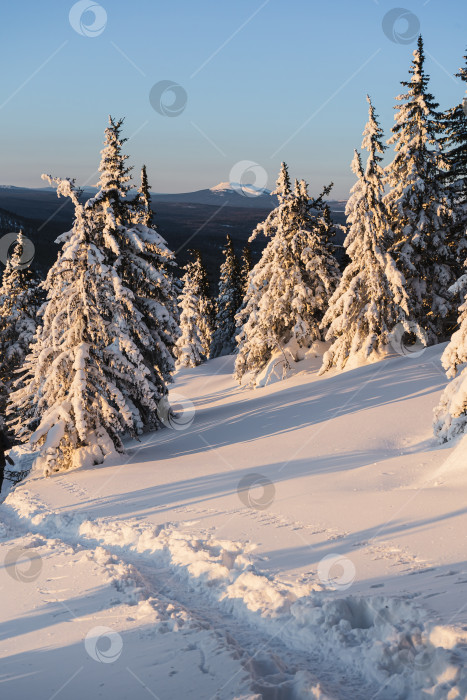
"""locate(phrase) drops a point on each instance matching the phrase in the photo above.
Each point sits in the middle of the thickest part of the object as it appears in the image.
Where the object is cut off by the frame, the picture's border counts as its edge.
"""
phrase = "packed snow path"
(305, 540)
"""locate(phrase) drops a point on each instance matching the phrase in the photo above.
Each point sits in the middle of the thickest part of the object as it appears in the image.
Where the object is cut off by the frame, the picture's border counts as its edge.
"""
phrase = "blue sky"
(265, 81)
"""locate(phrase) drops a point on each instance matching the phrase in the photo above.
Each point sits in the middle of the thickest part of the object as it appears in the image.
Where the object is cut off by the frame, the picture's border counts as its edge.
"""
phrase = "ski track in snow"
(289, 639)
(245, 617)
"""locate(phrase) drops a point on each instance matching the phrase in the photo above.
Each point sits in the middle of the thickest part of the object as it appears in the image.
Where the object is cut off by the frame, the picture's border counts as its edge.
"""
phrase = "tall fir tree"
(450, 418)
(227, 304)
(453, 125)
(245, 267)
(371, 299)
(289, 288)
(161, 293)
(86, 382)
(19, 303)
(143, 200)
(419, 205)
(98, 367)
(196, 313)
(315, 240)
(138, 253)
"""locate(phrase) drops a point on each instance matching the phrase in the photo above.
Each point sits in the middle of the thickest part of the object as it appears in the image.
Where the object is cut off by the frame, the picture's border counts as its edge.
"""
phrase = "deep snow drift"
(303, 540)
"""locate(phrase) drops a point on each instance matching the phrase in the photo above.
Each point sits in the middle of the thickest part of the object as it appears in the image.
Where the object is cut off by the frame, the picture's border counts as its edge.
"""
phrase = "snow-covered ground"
(303, 540)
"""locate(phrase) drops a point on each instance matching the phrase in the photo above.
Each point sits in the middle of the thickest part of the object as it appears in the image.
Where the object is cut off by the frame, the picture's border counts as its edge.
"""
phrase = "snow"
(248, 189)
(301, 540)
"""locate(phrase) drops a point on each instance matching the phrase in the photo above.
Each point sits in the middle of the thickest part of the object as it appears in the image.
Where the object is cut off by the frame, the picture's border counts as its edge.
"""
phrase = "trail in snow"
(342, 576)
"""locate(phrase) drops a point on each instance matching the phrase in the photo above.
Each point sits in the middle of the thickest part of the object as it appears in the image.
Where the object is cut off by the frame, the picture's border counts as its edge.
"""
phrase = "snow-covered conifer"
(138, 253)
(195, 305)
(419, 204)
(451, 414)
(86, 382)
(19, 303)
(290, 286)
(246, 265)
(227, 304)
(370, 299)
(453, 125)
(144, 213)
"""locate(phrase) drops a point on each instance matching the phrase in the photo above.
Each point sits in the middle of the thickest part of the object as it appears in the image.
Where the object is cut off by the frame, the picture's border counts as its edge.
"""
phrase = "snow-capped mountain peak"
(251, 190)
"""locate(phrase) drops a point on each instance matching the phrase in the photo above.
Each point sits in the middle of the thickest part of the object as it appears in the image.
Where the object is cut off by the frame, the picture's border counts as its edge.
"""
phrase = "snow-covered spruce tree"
(450, 418)
(195, 305)
(144, 212)
(86, 382)
(245, 267)
(419, 205)
(315, 239)
(228, 302)
(289, 288)
(453, 125)
(370, 299)
(139, 255)
(19, 303)
(163, 292)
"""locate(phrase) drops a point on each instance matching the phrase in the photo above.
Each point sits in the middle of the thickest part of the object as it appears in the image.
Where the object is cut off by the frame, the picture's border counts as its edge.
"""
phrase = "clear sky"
(265, 81)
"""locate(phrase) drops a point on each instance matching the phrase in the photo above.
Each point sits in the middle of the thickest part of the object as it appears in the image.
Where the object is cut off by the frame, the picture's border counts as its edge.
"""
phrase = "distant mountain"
(230, 194)
(188, 220)
(39, 203)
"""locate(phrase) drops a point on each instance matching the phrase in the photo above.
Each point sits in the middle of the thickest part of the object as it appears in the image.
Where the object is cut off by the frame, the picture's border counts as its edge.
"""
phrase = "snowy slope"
(303, 540)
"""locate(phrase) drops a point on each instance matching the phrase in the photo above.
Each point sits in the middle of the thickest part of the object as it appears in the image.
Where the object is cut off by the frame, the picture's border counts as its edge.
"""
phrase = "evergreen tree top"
(143, 202)
(283, 188)
(421, 104)
(114, 174)
(373, 137)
